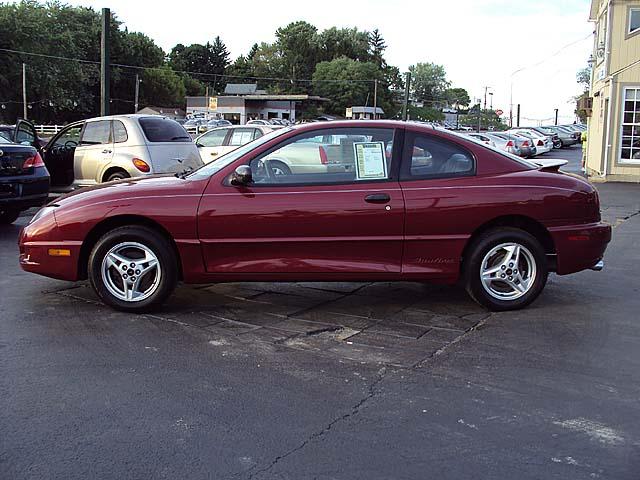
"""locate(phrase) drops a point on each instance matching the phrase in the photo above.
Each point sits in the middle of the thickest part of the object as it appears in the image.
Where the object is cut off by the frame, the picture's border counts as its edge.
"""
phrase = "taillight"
(35, 161)
(509, 144)
(525, 143)
(323, 156)
(540, 144)
(141, 165)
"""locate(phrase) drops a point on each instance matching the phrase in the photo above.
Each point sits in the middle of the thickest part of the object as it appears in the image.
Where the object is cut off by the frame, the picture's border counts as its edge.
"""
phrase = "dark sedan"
(24, 179)
(394, 201)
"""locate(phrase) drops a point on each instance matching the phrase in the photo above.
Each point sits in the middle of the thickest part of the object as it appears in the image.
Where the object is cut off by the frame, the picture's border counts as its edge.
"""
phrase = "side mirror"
(242, 176)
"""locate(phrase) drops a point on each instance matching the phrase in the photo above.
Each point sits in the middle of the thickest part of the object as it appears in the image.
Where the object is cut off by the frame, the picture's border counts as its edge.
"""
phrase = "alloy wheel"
(508, 271)
(131, 271)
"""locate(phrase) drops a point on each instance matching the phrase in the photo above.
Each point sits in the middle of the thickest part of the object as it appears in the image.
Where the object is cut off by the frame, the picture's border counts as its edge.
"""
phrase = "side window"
(345, 155)
(427, 157)
(71, 134)
(119, 132)
(257, 133)
(214, 138)
(241, 136)
(96, 133)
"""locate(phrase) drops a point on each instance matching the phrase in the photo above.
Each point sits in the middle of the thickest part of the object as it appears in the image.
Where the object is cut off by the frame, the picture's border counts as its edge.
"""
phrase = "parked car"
(215, 123)
(519, 142)
(542, 142)
(104, 149)
(387, 219)
(482, 138)
(566, 137)
(24, 179)
(258, 121)
(506, 144)
(553, 136)
(215, 143)
(22, 132)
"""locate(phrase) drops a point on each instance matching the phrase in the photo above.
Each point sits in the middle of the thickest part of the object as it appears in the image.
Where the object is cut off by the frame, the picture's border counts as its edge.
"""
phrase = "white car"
(105, 149)
(543, 143)
(218, 141)
(483, 139)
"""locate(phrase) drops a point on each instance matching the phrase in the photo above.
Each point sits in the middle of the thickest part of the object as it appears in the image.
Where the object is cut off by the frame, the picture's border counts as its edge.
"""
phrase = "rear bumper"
(580, 247)
(21, 193)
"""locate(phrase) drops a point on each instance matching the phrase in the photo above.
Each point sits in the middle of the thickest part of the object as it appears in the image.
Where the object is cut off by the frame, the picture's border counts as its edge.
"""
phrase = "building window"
(630, 147)
(634, 20)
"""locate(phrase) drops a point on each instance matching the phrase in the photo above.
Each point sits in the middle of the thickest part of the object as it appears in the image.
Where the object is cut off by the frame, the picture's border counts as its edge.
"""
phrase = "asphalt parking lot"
(326, 380)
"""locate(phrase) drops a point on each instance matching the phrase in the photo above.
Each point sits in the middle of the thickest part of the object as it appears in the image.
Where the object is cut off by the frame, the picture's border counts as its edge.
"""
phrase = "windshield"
(227, 159)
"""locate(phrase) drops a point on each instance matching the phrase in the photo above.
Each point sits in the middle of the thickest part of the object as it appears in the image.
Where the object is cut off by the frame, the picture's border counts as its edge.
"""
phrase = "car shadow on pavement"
(398, 324)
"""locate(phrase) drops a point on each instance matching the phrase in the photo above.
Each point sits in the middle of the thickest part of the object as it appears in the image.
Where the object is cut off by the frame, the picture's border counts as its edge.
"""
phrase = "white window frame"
(631, 161)
(631, 10)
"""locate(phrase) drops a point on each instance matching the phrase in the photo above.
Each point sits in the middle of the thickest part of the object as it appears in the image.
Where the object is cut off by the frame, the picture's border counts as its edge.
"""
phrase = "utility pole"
(405, 105)
(104, 62)
(518, 117)
(135, 103)
(24, 89)
(479, 114)
(491, 100)
(375, 99)
(556, 116)
(485, 97)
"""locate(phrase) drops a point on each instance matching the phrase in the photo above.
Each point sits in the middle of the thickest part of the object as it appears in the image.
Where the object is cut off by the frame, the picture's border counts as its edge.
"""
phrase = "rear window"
(163, 130)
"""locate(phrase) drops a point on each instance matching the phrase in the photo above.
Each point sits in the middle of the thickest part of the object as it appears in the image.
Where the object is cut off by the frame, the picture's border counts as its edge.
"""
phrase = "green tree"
(297, 46)
(457, 97)
(162, 87)
(428, 83)
(343, 42)
(356, 85)
(377, 46)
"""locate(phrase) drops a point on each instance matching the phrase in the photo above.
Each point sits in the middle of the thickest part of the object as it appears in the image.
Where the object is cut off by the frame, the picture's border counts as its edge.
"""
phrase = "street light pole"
(511, 96)
(135, 104)
(491, 100)
(24, 90)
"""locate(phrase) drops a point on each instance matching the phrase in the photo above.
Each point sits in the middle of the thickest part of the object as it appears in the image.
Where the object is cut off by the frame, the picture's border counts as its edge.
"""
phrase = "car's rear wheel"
(9, 216)
(119, 175)
(279, 168)
(505, 269)
(133, 268)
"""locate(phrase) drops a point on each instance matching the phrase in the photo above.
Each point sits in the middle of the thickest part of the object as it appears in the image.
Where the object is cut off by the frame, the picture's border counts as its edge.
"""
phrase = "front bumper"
(36, 242)
(580, 247)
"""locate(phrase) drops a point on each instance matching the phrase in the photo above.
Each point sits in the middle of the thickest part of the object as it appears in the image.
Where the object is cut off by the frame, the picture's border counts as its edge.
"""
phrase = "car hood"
(156, 185)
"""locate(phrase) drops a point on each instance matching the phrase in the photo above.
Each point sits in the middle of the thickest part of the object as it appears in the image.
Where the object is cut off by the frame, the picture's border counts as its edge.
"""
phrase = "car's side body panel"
(227, 233)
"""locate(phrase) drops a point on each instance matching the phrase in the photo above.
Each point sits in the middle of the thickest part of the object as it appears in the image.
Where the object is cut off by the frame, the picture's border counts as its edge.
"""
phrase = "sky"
(481, 43)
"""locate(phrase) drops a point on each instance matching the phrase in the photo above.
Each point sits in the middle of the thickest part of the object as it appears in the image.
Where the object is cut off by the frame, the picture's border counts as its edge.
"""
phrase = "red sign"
(499, 112)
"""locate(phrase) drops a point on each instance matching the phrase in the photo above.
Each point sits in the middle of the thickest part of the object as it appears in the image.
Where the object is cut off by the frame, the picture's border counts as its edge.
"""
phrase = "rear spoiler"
(550, 165)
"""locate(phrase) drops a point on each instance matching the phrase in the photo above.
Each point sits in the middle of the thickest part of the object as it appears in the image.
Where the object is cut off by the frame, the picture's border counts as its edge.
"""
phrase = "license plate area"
(7, 190)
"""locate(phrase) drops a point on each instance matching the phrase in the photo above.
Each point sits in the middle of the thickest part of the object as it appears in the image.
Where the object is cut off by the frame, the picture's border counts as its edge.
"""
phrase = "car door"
(436, 204)
(210, 144)
(25, 134)
(344, 219)
(238, 137)
(94, 151)
(58, 154)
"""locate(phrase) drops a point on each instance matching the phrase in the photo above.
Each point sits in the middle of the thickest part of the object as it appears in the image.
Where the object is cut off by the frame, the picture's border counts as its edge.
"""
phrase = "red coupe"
(339, 201)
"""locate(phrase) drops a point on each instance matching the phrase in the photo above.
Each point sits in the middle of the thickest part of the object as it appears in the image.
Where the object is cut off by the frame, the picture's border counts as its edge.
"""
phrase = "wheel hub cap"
(131, 271)
(508, 271)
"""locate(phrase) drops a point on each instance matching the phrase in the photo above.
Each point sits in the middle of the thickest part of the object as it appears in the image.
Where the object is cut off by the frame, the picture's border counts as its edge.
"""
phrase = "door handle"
(377, 198)
(106, 151)
(214, 153)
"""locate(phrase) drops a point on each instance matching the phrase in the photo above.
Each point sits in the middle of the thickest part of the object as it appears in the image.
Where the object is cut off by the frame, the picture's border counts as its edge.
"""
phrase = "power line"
(214, 75)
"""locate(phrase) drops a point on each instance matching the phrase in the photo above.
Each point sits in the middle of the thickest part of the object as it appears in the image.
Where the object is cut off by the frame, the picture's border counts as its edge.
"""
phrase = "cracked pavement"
(326, 381)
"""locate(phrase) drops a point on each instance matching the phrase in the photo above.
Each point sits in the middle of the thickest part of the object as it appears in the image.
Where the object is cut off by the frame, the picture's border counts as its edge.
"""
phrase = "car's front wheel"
(505, 269)
(133, 268)
(8, 216)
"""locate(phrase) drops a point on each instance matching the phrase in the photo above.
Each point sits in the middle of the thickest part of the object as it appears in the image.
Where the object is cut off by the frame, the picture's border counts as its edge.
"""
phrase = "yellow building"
(613, 144)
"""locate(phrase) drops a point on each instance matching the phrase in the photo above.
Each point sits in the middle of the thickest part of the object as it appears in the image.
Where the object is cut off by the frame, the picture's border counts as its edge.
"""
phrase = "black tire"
(119, 175)
(482, 246)
(8, 216)
(149, 238)
(280, 167)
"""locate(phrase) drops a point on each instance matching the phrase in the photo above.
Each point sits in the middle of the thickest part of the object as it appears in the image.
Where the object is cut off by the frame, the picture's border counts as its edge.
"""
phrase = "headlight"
(43, 212)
